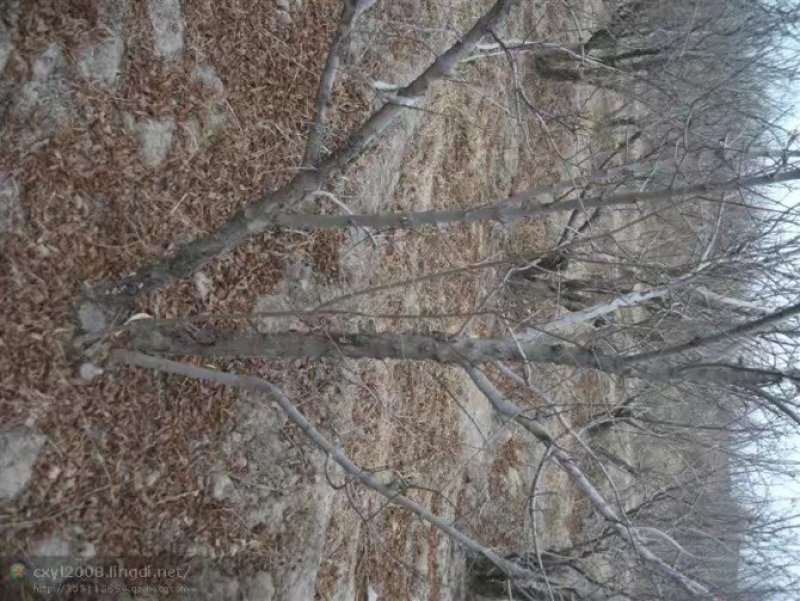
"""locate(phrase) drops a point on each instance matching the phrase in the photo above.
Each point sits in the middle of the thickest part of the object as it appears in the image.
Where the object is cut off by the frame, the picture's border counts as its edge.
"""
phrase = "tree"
(698, 317)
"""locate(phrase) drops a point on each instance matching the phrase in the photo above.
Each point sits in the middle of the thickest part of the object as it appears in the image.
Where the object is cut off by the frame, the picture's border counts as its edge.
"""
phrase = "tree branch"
(316, 135)
(508, 409)
(260, 215)
(173, 339)
(540, 201)
(317, 439)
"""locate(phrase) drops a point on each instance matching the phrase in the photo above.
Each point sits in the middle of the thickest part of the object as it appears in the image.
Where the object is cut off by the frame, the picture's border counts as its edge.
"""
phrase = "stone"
(212, 122)
(53, 545)
(6, 48)
(270, 514)
(222, 486)
(301, 576)
(283, 4)
(10, 204)
(89, 371)
(199, 551)
(259, 587)
(203, 285)
(115, 14)
(213, 116)
(92, 318)
(87, 551)
(152, 478)
(282, 17)
(129, 123)
(168, 27)
(9, 16)
(223, 589)
(214, 586)
(19, 450)
(206, 76)
(156, 139)
(100, 64)
(48, 64)
(49, 554)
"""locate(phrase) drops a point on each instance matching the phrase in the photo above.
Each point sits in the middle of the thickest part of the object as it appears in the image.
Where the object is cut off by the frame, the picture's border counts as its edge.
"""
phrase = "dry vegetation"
(94, 210)
(128, 458)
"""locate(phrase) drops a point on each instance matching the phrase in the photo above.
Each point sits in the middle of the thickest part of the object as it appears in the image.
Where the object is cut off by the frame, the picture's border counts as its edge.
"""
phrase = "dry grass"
(415, 434)
(404, 417)
(128, 458)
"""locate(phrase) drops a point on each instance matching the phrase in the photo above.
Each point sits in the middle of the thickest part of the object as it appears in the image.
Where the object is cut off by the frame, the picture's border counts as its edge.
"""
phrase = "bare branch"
(259, 216)
(523, 205)
(316, 438)
(350, 13)
(562, 458)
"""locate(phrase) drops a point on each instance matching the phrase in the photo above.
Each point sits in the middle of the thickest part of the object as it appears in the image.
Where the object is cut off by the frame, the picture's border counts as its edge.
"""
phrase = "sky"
(783, 490)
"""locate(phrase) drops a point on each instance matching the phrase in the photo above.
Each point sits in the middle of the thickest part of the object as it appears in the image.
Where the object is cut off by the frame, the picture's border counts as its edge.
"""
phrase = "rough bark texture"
(316, 136)
(522, 205)
(175, 340)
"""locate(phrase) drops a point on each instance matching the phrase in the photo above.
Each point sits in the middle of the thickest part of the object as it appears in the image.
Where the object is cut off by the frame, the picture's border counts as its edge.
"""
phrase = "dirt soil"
(102, 171)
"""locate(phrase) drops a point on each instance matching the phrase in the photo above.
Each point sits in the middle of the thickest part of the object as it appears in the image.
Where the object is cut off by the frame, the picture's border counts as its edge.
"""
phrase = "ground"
(131, 127)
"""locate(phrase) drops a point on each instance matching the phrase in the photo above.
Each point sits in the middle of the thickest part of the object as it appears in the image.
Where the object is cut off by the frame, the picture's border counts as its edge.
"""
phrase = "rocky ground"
(132, 127)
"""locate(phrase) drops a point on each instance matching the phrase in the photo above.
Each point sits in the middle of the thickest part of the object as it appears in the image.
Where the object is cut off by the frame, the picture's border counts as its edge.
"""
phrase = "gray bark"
(170, 339)
(658, 365)
(350, 13)
(522, 205)
(733, 333)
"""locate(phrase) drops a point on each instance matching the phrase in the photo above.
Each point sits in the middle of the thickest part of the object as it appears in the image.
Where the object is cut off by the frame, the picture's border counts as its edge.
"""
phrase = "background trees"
(669, 286)
(680, 300)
